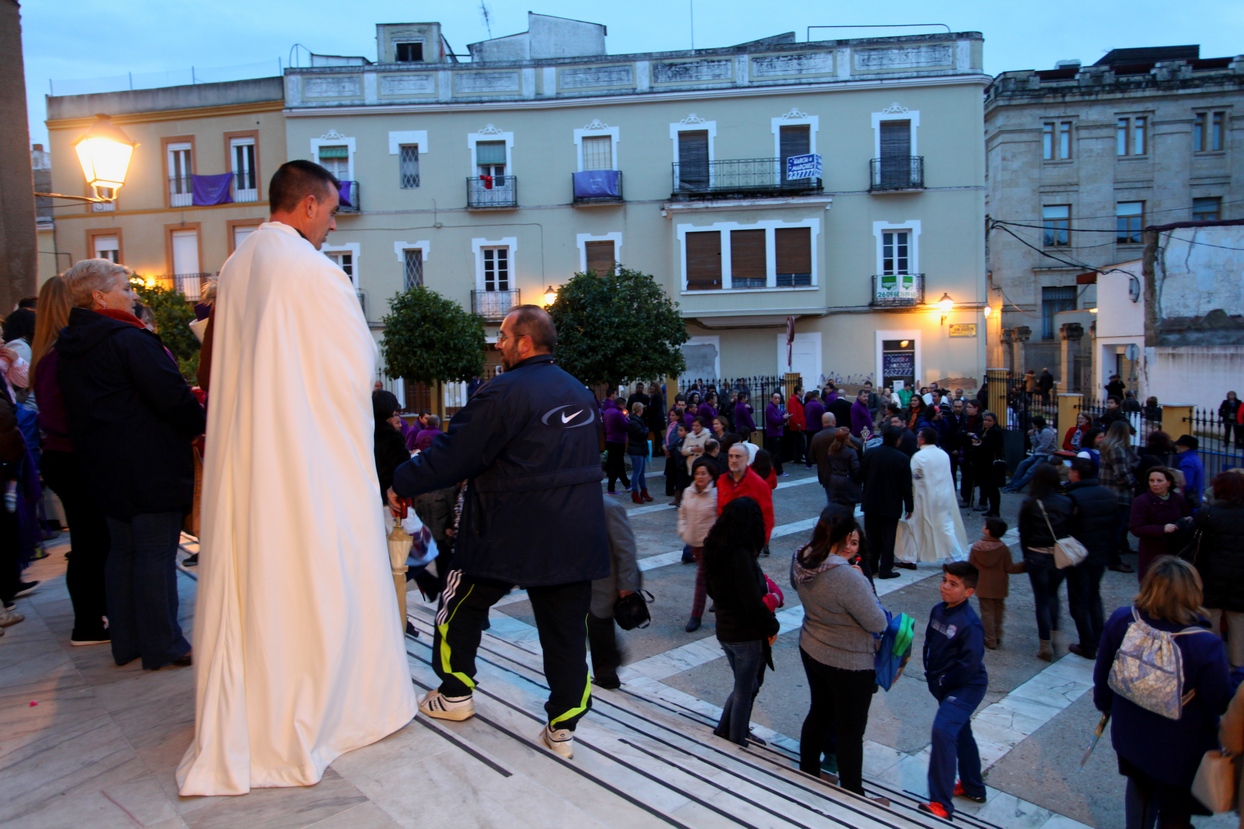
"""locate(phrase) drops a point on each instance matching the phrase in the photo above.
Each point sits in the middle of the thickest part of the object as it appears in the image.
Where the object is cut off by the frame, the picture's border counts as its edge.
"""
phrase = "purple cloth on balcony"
(596, 184)
(210, 190)
(345, 189)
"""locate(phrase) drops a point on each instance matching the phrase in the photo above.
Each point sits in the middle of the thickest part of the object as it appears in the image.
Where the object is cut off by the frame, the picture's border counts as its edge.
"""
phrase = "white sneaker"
(560, 741)
(10, 617)
(440, 707)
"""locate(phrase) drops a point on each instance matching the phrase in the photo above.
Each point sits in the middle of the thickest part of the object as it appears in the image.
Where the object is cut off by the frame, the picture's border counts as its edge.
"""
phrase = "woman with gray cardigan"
(837, 646)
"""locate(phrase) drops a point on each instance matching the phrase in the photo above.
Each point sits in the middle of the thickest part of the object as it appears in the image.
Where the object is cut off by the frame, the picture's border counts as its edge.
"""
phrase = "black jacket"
(886, 473)
(131, 415)
(1220, 559)
(1033, 530)
(636, 436)
(528, 444)
(1094, 521)
(390, 451)
(737, 585)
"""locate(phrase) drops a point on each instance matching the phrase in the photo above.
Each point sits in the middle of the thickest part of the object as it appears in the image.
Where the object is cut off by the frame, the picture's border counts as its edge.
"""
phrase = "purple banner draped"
(212, 189)
(596, 184)
(345, 189)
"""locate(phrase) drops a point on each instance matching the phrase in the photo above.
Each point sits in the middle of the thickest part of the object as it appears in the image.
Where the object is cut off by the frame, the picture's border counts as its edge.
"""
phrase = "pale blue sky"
(75, 39)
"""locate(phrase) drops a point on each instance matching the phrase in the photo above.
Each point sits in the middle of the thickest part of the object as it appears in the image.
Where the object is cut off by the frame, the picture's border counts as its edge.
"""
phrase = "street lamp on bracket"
(104, 152)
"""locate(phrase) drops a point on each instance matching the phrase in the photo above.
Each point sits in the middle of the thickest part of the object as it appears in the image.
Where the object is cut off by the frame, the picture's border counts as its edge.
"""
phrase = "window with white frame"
(245, 176)
(107, 247)
(104, 206)
(180, 185)
(895, 252)
(496, 268)
(335, 158)
(693, 139)
(412, 268)
(597, 152)
(343, 259)
(767, 255)
(408, 166)
(1131, 135)
(490, 161)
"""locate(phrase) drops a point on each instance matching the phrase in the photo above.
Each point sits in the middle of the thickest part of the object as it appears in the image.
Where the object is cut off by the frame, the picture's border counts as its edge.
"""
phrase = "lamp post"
(104, 152)
(946, 305)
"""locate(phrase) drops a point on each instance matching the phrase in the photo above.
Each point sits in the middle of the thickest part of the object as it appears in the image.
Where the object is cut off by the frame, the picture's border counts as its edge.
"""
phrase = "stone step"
(653, 755)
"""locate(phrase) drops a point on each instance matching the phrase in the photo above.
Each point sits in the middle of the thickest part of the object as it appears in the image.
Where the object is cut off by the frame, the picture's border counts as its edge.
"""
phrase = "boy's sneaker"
(559, 740)
(935, 808)
(962, 792)
(440, 707)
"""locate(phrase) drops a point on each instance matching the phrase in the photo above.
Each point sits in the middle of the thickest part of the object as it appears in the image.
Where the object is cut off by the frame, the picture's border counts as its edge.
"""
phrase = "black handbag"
(631, 611)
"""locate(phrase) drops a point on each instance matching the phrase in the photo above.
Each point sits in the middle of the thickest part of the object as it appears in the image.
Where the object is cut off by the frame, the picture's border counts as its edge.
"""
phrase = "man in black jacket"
(526, 444)
(886, 473)
(1093, 525)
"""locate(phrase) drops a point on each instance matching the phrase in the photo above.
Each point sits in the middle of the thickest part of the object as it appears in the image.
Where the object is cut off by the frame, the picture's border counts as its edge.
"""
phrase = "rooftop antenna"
(483, 10)
(691, 6)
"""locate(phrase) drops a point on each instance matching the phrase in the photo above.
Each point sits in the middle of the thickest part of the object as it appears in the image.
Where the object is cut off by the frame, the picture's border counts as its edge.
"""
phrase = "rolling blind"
(600, 257)
(693, 160)
(747, 258)
(794, 256)
(895, 139)
(703, 260)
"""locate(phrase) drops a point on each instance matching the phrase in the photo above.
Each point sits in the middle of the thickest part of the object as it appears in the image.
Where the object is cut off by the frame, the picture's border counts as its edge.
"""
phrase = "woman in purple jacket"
(1158, 519)
(775, 428)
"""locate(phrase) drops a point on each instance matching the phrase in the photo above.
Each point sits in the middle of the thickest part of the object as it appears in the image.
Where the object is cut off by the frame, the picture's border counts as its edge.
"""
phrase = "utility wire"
(1163, 210)
(1002, 224)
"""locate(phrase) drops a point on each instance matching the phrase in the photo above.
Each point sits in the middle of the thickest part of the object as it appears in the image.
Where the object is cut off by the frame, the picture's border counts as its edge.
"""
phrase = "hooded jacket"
(840, 613)
(130, 414)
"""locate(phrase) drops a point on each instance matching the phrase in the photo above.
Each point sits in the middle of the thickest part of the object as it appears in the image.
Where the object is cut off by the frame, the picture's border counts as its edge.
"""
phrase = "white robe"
(935, 522)
(298, 656)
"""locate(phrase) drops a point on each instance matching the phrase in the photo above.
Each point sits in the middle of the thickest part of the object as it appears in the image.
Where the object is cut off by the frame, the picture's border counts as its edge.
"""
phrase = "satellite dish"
(1133, 352)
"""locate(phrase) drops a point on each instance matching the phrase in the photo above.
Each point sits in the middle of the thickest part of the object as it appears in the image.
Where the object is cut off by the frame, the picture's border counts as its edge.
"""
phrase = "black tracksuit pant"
(561, 619)
(880, 532)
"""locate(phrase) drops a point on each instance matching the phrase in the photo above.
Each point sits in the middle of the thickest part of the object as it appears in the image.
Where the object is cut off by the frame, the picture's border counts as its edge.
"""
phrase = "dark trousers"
(10, 565)
(602, 636)
(774, 447)
(1084, 602)
(967, 482)
(807, 447)
(747, 661)
(88, 536)
(792, 445)
(840, 701)
(141, 578)
(880, 532)
(1148, 804)
(615, 465)
(701, 583)
(1121, 523)
(989, 492)
(993, 614)
(1045, 579)
(953, 745)
(560, 611)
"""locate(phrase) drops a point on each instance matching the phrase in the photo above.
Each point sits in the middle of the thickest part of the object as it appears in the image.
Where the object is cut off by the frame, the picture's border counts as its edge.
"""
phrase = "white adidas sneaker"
(559, 740)
(440, 707)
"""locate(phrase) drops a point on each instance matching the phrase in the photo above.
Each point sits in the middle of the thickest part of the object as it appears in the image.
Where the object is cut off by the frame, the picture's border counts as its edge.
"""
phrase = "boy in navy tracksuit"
(954, 650)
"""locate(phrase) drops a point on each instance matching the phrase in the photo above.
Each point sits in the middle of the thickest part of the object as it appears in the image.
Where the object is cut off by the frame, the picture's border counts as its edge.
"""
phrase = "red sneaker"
(962, 792)
(935, 808)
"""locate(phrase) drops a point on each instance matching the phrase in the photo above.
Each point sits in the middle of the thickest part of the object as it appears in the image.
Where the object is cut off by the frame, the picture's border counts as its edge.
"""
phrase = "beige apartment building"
(196, 186)
(1080, 160)
(495, 180)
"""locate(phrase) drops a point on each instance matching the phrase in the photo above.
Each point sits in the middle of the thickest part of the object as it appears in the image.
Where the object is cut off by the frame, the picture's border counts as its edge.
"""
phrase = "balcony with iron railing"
(897, 290)
(492, 192)
(192, 285)
(494, 305)
(896, 174)
(739, 178)
(596, 187)
(241, 185)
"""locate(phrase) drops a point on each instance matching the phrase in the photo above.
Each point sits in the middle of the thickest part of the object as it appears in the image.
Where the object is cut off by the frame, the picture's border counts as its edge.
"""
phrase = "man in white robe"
(297, 656)
(935, 523)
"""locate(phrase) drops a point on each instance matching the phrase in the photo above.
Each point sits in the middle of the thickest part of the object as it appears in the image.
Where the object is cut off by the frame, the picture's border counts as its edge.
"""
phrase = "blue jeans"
(141, 579)
(953, 745)
(1045, 579)
(639, 466)
(1024, 472)
(746, 659)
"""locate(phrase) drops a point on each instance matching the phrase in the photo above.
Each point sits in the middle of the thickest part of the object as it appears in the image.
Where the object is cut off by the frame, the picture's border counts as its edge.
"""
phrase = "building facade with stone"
(1080, 159)
(494, 180)
(197, 183)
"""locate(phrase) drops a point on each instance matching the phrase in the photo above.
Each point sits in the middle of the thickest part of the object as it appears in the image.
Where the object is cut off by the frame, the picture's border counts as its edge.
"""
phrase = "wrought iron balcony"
(899, 172)
(245, 188)
(494, 305)
(737, 177)
(897, 290)
(597, 187)
(348, 193)
(192, 285)
(492, 192)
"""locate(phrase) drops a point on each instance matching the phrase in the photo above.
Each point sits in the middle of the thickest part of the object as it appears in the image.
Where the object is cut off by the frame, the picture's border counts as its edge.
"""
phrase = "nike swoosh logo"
(568, 418)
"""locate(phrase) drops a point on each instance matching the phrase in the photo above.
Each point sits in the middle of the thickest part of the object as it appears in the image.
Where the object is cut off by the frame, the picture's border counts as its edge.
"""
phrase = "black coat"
(736, 584)
(528, 444)
(1094, 522)
(1220, 559)
(390, 451)
(1033, 529)
(636, 436)
(886, 473)
(131, 415)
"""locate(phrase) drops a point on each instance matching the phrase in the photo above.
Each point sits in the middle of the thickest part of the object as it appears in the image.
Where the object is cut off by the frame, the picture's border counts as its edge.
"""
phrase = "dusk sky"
(71, 41)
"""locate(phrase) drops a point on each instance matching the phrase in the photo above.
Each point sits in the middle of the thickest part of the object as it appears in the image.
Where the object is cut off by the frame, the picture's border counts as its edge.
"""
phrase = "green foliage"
(173, 315)
(619, 326)
(428, 338)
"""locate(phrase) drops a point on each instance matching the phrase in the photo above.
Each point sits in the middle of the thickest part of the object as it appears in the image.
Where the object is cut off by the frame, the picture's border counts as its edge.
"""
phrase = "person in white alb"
(296, 656)
(935, 521)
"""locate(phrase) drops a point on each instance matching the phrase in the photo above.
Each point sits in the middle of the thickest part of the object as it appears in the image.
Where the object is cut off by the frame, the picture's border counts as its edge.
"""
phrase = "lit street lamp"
(104, 152)
(946, 305)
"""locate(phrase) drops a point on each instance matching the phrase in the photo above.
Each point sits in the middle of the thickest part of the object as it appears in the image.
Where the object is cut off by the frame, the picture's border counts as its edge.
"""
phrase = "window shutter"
(703, 260)
(794, 140)
(490, 152)
(895, 139)
(794, 256)
(747, 258)
(600, 257)
(693, 160)
(334, 152)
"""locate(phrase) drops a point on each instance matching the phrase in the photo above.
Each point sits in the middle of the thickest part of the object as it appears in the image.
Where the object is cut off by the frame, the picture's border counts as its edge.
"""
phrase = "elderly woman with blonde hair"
(131, 419)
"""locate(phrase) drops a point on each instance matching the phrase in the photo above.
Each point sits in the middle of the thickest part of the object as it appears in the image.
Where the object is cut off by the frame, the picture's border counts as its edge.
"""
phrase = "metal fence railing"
(756, 386)
(1219, 442)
